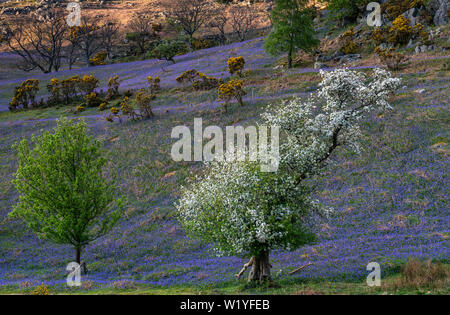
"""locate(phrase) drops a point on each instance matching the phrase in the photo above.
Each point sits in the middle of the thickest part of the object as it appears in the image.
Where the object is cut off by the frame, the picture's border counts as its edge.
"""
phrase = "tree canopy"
(64, 194)
(292, 29)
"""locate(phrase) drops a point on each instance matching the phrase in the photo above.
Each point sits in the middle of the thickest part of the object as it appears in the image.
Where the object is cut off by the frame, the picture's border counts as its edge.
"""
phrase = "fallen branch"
(300, 268)
(247, 265)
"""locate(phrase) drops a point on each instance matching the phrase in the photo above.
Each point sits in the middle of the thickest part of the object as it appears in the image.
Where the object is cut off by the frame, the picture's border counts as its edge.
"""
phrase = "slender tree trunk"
(290, 56)
(260, 268)
(78, 255)
(191, 41)
(86, 56)
(240, 101)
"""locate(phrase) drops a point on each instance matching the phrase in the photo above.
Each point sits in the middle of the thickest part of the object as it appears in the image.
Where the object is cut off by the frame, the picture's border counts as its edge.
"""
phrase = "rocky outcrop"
(319, 65)
(441, 17)
(424, 48)
(412, 15)
(438, 8)
(338, 57)
(36, 9)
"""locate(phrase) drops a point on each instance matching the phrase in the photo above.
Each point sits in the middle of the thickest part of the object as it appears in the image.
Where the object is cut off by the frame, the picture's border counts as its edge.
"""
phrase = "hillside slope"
(390, 203)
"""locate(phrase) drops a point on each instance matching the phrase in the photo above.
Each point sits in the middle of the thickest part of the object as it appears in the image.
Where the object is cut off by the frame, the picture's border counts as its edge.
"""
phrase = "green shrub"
(346, 9)
(166, 50)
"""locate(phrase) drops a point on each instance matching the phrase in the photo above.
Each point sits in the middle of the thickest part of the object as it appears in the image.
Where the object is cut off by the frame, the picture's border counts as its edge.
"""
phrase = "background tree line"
(47, 43)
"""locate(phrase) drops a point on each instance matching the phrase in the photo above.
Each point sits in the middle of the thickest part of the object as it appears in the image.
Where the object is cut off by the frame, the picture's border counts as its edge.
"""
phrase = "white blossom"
(240, 209)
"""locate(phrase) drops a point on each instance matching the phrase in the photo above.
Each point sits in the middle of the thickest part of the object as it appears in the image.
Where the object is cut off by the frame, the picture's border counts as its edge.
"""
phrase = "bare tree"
(144, 30)
(109, 36)
(87, 37)
(190, 15)
(4, 35)
(71, 49)
(243, 20)
(38, 42)
(219, 21)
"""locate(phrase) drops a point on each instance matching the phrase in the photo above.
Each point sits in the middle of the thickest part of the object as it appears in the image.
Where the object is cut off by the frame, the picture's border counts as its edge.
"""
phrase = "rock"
(338, 56)
(440, 17)
(411, 43)
(421, 48)
(348, 58)
(412, 15)
(421, 91)
(319, 65)
(424, 48)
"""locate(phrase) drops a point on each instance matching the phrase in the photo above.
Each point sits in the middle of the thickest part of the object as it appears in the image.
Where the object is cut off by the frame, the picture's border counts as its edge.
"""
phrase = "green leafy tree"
(64, 195)
(346, 9)
(166, 50)
(293, 29)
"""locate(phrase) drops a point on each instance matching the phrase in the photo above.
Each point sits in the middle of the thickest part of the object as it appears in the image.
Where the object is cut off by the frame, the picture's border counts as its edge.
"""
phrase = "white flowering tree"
(242, 210)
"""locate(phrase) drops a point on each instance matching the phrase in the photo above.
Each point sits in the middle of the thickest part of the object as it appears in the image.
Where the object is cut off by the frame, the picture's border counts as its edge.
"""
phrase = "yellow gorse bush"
(154, 84)
(93, 100)
(348, 46)
(114, 110)
(377, 35)
(200, 44)
(199, 80)
(188, 76)
(236, 65)
(98, 59)
(143, 101)
(88, 84)
(401, 31)
(79, 109)
(394, 8)
(113, 87)
(41, 290)
(102, 106)
(231, 89)
(391, 59)
(25, 94)
(70, 87)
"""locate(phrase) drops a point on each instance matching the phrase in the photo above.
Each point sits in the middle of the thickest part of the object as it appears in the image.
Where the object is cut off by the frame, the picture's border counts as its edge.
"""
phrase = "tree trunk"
(290, 59)
(86, 57)
(78, 255)
(260, 268)
(240, 101)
